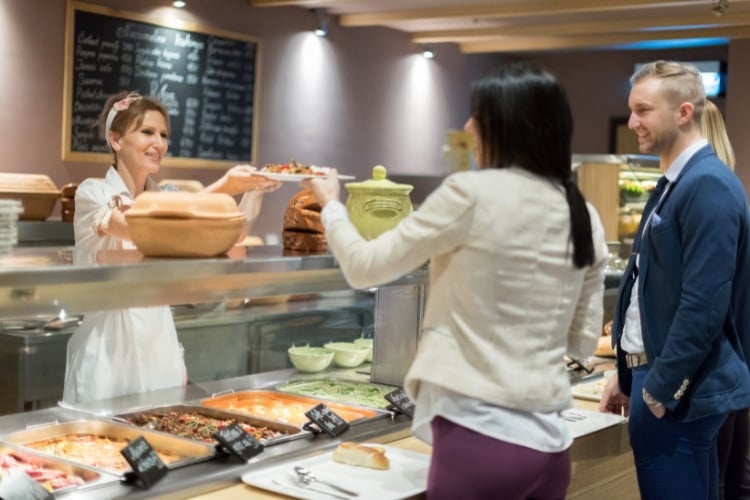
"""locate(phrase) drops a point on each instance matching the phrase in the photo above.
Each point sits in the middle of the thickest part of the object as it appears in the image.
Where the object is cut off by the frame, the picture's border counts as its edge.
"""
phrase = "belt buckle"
(634, 360)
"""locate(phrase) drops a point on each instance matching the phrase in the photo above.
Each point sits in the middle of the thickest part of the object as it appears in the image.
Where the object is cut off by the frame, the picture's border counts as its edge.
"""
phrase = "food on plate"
(358, 393)
(199, 427)
(361, 455)
(95, 450)
(302, 230)
(51, 479)
(604, 347)
(294, 168)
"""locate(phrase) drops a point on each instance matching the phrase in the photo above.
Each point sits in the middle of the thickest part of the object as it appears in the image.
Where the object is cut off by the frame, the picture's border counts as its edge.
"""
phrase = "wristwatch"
(649, 399)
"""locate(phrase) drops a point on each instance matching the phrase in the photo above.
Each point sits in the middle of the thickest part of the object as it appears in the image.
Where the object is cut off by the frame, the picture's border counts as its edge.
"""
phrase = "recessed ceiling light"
(178, 3)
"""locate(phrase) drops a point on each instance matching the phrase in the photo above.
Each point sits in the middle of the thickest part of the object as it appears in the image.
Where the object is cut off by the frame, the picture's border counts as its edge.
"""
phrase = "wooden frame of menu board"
(207, 78)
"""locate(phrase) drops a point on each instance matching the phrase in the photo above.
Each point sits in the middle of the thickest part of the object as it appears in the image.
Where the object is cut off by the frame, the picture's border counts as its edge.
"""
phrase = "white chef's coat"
(116, 352)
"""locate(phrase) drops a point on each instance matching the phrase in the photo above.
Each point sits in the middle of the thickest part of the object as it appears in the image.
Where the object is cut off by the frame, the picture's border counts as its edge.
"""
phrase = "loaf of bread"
(361, 455)
(303, 232)
(304, 242)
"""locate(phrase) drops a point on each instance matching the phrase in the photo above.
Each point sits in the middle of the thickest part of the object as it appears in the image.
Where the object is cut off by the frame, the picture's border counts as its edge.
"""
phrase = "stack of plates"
(9, 212)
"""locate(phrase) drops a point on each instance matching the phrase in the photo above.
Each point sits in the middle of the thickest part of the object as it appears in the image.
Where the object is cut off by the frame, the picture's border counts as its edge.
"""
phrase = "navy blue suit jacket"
(694, 293)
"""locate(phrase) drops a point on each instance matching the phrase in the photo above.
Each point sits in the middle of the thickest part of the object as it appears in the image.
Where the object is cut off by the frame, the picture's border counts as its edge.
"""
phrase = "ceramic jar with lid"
(378, 204)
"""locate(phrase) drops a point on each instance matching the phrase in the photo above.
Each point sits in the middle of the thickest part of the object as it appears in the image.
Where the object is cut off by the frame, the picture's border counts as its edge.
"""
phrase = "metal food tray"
(234, 402)
(91, 477)
(302, 385)
(291, 432)
(191, 451)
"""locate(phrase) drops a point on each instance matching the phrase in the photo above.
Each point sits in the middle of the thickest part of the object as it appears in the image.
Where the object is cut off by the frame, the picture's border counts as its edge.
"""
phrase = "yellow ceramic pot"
(378, 204)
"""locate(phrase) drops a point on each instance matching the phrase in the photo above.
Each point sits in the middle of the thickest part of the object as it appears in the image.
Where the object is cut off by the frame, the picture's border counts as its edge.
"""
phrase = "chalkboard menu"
(206, 80)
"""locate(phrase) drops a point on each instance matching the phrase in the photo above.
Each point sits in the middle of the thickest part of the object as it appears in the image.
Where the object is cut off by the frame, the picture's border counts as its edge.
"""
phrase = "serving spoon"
(307, 477)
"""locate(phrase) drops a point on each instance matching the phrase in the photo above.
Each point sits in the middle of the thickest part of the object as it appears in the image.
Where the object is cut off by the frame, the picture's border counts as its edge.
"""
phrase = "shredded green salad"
(344, 391)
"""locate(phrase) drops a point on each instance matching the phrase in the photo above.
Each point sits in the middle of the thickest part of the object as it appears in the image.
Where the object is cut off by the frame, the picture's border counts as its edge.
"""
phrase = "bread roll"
(304, 242)
(361, 455)
(303, 232)
(302, 219)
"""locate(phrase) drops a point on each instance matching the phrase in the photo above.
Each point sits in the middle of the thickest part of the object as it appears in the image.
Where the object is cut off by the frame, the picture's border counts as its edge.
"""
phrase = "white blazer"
(505, 302)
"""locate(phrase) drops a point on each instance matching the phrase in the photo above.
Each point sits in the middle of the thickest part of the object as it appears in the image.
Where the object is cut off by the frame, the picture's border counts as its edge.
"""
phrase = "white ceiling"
(529, 25)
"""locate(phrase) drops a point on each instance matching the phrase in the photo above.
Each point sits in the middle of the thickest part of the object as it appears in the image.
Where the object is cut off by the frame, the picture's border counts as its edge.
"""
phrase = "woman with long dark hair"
(516, 282)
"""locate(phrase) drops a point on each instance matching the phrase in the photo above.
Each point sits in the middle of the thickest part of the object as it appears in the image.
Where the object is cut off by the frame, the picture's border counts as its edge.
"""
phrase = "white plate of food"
(295, 172)
(406, 476)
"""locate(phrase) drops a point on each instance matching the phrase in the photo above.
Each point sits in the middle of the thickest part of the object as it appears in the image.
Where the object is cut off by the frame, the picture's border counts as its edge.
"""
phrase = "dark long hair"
(524, 120)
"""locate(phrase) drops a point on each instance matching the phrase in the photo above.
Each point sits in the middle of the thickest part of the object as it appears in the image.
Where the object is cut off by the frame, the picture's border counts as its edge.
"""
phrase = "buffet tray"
(286, 408)
(342, 391)
(91, 477)
(405, 478)
(289, 432)
(190, 451)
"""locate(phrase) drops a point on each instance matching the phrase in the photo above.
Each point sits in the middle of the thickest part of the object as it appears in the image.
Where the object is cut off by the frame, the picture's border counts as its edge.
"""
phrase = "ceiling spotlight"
(321, 26)
(178, 3)
(427, 52)
(720, 7)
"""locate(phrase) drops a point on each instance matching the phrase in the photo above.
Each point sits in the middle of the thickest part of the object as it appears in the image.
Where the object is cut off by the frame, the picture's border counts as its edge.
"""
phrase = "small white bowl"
(347, 354)
(310, 359)
(367, 343)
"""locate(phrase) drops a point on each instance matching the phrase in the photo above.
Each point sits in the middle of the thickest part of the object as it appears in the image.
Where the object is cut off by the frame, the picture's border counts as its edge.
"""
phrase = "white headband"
(120, 105)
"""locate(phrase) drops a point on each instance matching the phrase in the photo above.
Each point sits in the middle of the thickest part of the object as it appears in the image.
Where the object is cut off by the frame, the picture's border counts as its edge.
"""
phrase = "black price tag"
(401, 402)
(17, 484)
(238, 442)
(147, 466)
(326, 420)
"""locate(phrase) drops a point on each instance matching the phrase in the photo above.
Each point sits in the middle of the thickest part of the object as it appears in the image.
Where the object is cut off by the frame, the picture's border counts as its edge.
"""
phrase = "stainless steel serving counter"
(208, 476)
(43, 280)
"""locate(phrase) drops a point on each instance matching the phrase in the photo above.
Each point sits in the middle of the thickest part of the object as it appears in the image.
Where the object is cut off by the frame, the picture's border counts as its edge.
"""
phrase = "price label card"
(17, 484)
(401, 402)
(327, 420)
(148, 468)
(238, 442)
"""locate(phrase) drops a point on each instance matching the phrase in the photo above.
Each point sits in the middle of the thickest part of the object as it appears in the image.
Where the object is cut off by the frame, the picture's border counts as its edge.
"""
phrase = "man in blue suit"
(680, 326)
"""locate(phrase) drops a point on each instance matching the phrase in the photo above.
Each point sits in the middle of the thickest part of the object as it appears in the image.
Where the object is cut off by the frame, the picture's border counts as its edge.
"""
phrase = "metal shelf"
(42, 280)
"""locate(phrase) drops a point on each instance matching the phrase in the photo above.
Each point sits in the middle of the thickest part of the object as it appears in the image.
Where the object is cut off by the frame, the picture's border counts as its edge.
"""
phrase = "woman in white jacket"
(517, 263)
(118, 352)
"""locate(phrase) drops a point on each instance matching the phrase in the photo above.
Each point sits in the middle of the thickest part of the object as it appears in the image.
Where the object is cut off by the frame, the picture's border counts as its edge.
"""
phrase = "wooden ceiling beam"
(515, 9)
(287, 3)
(536, 43)
(624, 26)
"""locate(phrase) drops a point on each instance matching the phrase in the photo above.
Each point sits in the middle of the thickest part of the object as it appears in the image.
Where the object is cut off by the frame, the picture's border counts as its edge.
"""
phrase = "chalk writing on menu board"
(206, 81)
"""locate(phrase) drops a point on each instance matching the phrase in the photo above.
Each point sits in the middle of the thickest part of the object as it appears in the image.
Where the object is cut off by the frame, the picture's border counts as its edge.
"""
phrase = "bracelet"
(649, 399)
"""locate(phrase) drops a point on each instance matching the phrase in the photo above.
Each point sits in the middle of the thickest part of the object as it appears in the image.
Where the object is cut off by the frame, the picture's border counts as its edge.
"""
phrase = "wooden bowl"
(171, 237)
(37, 193)
(184, 205)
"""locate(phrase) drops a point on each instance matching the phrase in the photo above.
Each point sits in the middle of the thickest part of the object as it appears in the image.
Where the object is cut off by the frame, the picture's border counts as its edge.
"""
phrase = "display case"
(240, 312)
(618, 186)
(235, 315)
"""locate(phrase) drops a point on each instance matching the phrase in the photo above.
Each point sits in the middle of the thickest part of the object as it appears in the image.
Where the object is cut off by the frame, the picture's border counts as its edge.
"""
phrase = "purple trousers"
(469, 465)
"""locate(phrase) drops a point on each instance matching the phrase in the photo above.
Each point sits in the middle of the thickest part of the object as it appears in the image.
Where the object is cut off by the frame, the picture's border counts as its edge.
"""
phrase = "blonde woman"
(734, 435)
(715, 131)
